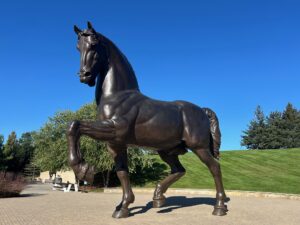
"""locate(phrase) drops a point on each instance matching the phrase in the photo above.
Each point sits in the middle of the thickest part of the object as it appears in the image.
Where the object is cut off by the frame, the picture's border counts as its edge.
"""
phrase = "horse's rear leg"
(213, 165)
(100, 130)
(177, 171)
(119, 154)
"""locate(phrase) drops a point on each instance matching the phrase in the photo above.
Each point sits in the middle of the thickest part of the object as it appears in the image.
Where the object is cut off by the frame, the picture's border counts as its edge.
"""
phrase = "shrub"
(11, 184)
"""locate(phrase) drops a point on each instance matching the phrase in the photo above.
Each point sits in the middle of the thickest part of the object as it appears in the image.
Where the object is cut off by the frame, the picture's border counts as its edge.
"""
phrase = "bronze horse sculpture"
(127, 117)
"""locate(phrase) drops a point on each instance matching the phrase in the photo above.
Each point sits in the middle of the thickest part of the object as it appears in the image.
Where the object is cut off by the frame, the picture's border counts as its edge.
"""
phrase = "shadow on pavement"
(175, 202)
(30, 195)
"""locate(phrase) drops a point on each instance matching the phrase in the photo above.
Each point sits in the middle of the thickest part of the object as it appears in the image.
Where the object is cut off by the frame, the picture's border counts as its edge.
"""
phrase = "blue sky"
(226, 55)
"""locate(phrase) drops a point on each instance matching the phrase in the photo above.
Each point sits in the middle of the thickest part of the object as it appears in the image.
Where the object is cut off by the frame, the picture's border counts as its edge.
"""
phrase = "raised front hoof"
(158, 203)
(85, 172)
(220, 211)
(90, 175)
(122, 213)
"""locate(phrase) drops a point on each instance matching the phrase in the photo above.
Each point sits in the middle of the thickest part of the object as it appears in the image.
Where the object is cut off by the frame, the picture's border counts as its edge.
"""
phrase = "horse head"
(93, 54)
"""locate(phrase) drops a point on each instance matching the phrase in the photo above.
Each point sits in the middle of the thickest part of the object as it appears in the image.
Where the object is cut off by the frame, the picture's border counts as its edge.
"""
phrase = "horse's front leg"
(119, 154)
(99, 130)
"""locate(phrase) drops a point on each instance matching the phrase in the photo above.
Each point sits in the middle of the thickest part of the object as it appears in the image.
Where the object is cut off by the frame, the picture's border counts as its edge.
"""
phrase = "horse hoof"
(220, 211)
(122, 213)
(157, 203)
(89, 176)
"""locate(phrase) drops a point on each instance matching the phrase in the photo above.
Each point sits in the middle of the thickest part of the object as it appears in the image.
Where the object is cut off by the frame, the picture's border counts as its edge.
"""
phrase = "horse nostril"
(86, 74)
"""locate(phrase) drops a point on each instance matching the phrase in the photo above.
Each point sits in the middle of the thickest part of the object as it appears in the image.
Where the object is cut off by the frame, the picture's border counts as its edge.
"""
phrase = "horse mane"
(112, 47)
(124, 65)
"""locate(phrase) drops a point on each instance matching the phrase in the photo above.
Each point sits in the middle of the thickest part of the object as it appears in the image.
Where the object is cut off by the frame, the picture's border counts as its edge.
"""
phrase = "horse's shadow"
(175, 202)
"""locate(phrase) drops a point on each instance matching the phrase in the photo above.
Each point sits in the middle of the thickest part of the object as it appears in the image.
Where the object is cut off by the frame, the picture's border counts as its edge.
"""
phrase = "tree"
(274, 131)
(2, 166)
(289, 117)
(278, 130)
(10, 153)
(255, 136)
(26, 149)
(16, 153)
(51, 144)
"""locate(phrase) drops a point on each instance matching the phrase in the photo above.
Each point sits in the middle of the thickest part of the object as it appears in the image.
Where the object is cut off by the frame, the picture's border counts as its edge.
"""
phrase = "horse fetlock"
(221, 196)
(128, 199)
(157, 203)
(74, 162)
(158, 193)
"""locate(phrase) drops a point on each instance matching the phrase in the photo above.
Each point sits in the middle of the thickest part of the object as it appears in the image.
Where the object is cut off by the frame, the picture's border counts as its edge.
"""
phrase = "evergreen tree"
(274, 131)
(278, 130)
(2, 165)
(26, 149)
(10, 153)
(289, 117)
(15, 154)
(254, 137)
(297, 130)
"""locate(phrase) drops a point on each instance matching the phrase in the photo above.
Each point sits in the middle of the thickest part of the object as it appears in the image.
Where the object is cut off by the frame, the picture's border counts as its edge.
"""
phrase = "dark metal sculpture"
(127, 117)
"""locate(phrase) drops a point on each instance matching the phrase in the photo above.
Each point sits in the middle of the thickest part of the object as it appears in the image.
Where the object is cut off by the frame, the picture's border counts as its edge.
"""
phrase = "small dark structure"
(127, 117)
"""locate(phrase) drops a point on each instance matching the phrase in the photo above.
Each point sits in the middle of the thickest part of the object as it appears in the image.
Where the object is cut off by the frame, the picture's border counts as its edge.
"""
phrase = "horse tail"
(215, 134)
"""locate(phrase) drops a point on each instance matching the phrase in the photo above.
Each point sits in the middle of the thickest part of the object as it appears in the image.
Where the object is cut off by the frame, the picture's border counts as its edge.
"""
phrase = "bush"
(11, 184)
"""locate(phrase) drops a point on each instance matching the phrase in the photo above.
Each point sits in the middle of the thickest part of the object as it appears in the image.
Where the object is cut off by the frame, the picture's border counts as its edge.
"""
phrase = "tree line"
(278, 130)
(16, 153)
(46, 148)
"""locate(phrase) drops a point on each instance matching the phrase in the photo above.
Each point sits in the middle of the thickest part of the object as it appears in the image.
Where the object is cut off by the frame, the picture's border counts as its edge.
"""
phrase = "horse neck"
(119, 74)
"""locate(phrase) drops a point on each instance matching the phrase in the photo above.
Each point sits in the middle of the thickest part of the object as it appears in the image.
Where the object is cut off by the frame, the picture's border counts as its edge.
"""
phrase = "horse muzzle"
(87, 78)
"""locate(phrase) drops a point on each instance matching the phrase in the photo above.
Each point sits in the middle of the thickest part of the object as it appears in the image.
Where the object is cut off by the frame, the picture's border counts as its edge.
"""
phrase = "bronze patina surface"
(127, 117)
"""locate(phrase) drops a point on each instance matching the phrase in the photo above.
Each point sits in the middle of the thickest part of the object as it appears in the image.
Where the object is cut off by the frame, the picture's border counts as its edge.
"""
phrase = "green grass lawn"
(251, 170)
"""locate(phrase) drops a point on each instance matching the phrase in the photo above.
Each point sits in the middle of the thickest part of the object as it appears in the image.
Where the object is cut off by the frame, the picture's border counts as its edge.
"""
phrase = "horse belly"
(159, 125)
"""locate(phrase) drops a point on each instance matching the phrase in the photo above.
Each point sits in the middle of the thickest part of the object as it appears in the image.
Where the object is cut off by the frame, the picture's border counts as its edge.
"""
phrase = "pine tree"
(2, 165)
(26, 149)
(10, 153)
(255, 136)
(297, 131)
(289, 117)
(276, 131)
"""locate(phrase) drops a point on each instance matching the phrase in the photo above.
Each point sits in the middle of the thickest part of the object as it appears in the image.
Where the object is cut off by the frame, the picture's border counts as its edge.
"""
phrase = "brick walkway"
(41, 206)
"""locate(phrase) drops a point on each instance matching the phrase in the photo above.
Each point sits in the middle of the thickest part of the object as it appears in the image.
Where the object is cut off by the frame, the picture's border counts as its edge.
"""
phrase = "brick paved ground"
(39, 205)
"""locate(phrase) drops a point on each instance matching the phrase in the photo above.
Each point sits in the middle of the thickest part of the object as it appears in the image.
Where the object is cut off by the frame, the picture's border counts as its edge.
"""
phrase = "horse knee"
(73, 127)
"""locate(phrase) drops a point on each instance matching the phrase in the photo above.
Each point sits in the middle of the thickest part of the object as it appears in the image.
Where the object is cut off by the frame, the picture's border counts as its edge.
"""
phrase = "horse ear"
(90, 26)
(77, 30)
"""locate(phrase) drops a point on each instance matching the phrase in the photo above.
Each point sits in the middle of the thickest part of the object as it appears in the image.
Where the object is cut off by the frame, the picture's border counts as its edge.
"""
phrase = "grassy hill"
(251, 170)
